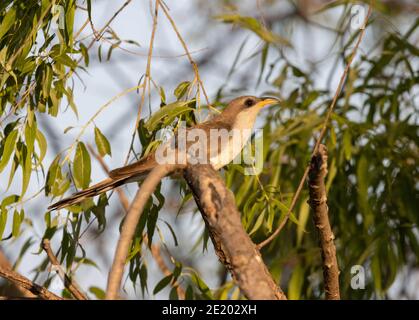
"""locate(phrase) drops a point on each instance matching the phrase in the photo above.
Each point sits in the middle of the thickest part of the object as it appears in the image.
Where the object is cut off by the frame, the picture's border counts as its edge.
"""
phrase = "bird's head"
(246, 108)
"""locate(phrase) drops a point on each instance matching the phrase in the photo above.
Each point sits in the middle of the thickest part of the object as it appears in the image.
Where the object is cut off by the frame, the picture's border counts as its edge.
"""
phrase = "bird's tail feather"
(92, 191)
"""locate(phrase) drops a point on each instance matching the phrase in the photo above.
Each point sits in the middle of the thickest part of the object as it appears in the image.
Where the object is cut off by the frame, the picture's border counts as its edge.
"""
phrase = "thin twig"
(318, 203)
(185, 47)
(70, 284)
(147, 77)
(129, 226)
(24, 282)
(322, 134)
(157, 255)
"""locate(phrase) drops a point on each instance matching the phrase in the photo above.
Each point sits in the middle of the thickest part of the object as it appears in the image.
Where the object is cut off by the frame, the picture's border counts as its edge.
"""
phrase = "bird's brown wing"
(149, 162)
(143, 165)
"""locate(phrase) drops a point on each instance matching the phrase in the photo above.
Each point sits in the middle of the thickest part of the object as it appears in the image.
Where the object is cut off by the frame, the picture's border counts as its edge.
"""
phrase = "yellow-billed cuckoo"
(239, 116)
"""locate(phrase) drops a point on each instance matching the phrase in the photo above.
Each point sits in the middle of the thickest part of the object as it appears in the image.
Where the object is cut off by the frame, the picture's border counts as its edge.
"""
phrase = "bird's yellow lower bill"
(268, 101)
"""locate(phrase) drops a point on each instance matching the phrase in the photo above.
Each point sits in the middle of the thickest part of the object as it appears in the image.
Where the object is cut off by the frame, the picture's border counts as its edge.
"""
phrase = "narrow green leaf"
(99, 293)
(296, 283)
(167, 114)
(9, 146)
(81, 166)
(151, 223)
(102, 143)
(347, 144)
(182, 89)
(16, 223)
(255, 26)
(163, 283)
(258, 222)
(26, 164)
(3, 221)
(9, 200)
(202, 287)
(42, 143)
(65, 60)
(172, 232)
(189, 294)
(8, 21)
(143, 278)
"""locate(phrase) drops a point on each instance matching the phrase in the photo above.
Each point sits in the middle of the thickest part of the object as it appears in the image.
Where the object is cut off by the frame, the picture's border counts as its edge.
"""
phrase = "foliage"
(372, 142)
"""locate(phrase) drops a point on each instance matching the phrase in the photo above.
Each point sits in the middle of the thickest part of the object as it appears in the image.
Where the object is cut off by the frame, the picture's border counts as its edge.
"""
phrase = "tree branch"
(5, 263)
(71, 285)
(130, 224)
(318, 203)
(232, 244)
(322, 132)
(155, 250)
(28, 284)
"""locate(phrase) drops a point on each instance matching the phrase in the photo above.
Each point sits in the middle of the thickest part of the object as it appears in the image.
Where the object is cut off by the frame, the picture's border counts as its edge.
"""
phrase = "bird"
(237, 120)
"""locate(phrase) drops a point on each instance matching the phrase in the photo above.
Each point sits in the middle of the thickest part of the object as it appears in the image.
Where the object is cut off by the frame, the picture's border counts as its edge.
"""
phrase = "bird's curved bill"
(266, 101)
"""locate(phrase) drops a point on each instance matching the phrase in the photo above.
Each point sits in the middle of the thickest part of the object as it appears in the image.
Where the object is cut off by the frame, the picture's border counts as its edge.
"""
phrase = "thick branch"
(130, 224)
(28, 284)
(318, 203)
(232, 244)
(68, 283)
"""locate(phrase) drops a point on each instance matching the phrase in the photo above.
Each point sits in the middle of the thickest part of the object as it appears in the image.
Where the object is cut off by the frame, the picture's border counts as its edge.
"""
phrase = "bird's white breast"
(239, 136)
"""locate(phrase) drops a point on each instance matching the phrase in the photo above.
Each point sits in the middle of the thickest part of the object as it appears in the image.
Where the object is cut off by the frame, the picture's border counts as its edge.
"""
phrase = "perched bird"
(237, 120)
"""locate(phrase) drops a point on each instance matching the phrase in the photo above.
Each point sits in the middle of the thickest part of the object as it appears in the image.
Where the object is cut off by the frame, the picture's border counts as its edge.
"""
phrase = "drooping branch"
(318, 203)
(27, 284)
(130, 224)
(232, 244)
(68, 283)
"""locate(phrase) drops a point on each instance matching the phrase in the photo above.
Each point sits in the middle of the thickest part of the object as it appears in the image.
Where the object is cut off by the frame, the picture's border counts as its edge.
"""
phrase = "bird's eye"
(249, 102)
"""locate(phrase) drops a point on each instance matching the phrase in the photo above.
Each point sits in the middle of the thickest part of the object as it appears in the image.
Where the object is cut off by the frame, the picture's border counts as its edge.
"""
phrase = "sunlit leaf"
(9, 146)
(102, 143)
(81, 166)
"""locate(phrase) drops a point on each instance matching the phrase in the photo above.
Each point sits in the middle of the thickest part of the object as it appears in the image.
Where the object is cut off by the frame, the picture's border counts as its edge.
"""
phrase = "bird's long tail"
(103, 186)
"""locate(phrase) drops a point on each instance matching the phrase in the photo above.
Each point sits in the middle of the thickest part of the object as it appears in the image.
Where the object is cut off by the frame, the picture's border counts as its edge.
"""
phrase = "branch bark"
(130, 224)
(27, 284)
(5, 263)
(68, 283)
(232, 244)
(318, 203)
(322, 132)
